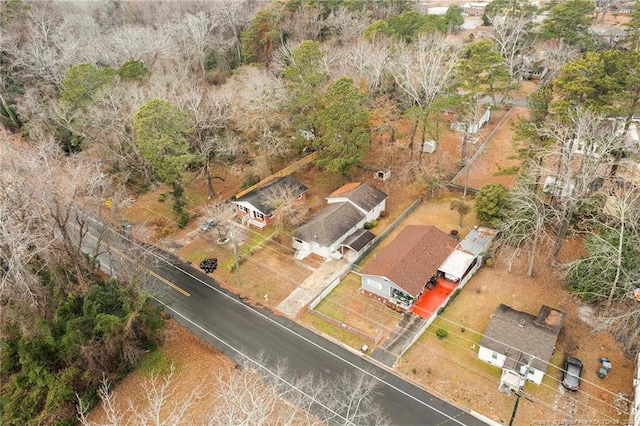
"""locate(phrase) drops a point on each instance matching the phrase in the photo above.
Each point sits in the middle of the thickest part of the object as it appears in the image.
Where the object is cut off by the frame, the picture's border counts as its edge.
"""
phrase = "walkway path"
(313, 285)
(400, 339)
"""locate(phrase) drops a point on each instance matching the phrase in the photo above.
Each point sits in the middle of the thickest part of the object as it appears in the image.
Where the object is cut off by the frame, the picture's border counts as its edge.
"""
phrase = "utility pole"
(519, 392)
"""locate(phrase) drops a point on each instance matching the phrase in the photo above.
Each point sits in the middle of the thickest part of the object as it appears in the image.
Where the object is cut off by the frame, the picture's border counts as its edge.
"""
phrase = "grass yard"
(346, 304)
(323, 327)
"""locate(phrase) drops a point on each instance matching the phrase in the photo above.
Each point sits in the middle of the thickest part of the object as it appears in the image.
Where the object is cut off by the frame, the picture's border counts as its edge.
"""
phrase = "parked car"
(209, 224)
(571, 372)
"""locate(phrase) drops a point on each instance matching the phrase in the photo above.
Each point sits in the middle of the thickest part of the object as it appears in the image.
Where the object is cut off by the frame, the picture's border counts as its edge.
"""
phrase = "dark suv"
(571, 372)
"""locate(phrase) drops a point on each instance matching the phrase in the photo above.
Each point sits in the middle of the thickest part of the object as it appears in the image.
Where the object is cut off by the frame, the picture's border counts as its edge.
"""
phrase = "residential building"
(257, 207)
(401, 271)
(348, 209)
(521, 344)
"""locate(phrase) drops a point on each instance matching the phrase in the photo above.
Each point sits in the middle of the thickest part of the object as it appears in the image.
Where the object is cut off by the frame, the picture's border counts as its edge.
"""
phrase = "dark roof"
(258, 197)
(520, 335)
(329, 224)
(412, 258)
(363, 195)
(358, 239)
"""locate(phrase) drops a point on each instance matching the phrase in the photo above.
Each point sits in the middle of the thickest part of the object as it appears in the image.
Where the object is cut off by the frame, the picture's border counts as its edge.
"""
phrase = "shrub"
(250, 180)
(371, 224)
(183, 220)
(489, 262)
(491, 203)
(442, 333)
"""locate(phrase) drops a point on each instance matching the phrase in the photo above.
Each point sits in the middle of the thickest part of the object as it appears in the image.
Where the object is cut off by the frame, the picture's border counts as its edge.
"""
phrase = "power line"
(465, 348)
(276, 323)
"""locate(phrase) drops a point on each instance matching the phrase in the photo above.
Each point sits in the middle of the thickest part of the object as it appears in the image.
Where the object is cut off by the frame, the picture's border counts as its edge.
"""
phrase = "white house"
(468, 255)
(520, 344)
(348, 209)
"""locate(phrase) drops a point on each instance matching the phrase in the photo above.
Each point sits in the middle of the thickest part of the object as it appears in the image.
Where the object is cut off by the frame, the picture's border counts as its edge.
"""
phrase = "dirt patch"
(496, 163)
(443, 364)
(194, 362)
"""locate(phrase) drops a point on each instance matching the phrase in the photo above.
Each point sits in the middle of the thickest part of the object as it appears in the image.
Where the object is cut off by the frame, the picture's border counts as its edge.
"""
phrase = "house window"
(258, 215)
(494, 355)
(242, 208)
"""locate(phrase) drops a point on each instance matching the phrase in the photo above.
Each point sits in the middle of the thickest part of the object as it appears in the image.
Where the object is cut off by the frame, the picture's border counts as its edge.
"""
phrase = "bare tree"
(235, 15)
(260, 115)
(364, 61)
(288, 210)
(345, 27)
(306, 23)
(622, 320)
(162, 404)
(132, 42)
(193, 34)
(353, 399)
(211, 112)
(582, 153)
(513, 35)
(559, 54)
(423, 70)
(526, 218)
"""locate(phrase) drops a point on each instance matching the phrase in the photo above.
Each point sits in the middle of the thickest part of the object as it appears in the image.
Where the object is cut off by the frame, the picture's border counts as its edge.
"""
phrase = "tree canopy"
(607, 81)
(343, 126)
(491, 203)
(82, 81)
(305, 77)
(568, 22)
(161, 135)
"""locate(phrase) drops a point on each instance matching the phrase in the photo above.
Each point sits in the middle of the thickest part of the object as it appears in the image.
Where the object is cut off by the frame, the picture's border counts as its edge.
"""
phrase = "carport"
(455, 266)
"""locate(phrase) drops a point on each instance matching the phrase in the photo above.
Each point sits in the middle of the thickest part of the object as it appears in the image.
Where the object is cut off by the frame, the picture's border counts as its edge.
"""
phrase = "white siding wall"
(536, 377)
(486, 355)
(375, 213)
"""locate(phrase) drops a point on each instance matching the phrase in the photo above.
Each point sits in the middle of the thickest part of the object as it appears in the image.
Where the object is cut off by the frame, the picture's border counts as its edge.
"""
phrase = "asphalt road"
(245, 333)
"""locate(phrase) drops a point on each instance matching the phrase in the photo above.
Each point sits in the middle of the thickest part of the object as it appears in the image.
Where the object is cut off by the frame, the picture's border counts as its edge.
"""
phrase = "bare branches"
(514, 37)
(425, 68)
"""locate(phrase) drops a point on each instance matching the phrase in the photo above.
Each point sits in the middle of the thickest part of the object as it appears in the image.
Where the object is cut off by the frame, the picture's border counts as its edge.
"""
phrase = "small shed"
(429, 147)
(468, 255)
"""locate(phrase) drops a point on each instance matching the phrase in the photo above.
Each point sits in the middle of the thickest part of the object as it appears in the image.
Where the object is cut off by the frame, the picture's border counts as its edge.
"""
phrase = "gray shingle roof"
(358, 239)
(363, 195)
(412, 258)
(329, 224)
(520, 335)
(258, 197)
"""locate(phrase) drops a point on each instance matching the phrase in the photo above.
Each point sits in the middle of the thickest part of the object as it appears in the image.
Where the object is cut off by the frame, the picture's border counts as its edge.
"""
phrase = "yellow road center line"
(154, 274)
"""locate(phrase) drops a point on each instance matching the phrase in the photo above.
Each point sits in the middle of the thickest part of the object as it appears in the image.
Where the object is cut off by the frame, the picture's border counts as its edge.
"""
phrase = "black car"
(571, 372)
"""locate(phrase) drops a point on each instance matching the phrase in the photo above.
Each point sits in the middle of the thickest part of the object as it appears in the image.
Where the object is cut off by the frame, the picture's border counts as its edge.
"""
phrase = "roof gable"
(412, 258)
(363, 195)
(258, 198)
(520, 335)
(330, 224)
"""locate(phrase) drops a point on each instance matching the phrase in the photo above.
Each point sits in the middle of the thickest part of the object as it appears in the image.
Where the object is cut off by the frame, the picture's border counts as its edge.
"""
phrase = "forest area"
(101, 101)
